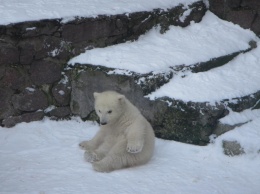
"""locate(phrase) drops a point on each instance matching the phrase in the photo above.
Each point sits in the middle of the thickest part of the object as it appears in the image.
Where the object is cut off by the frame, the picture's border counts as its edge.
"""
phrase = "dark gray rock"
(233, 3)
(223, 128)
(2, 71)
(187, 122)
(37, 48)
(27, 117)
(30, 100)
(82, 100)
(84, 29)
(242, 12)
(9, 54)
(15, 77)
(256, 24)
(6, 108)
(218, 7)
(245, 102)
(244, 18)
(232, 148)
(60, 112)
(33, 28)
(251, 4)
(61, 93)
(45, 72)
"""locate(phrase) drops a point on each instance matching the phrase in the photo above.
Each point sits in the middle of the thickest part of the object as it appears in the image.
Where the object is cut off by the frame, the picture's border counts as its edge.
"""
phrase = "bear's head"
(109, 106)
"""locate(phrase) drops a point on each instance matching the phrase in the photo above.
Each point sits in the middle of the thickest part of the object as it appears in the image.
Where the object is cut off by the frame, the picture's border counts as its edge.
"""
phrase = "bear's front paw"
(84, 145)
(134, 148)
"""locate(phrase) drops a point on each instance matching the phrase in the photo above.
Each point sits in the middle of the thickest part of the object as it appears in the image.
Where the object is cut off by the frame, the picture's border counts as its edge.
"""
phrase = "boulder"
(171, 119)
(244, 18)
(31, 99)
(232, 148)
(6, 108)
(45, 72)
(27, 117)
(60, 112)
(242, 12)
(16, 78)
(61, 92)
(9, 54)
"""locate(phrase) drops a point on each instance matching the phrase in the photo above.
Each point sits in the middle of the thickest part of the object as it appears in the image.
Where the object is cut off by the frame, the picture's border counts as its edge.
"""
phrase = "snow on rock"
(238, 78)
(18, 11)
(247, 135)
(234, 118)
(44, 157)
(156, 52)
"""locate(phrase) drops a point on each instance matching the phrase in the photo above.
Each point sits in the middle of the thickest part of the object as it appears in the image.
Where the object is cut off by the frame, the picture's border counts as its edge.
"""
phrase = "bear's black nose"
(103, 123)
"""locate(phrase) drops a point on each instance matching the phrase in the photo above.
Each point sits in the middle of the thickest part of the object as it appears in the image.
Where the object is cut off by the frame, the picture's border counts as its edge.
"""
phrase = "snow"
(238, 78)
(196, 43)
(30, 89)
(44, 157)
(234, 118)
(13, 11)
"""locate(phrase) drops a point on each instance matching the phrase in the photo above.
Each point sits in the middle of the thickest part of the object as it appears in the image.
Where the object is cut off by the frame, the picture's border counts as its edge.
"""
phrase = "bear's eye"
(99, 111)
(109, 112)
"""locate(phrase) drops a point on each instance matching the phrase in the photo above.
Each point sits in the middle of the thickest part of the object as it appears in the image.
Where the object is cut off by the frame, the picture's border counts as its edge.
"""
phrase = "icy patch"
(120, 72)
(64, 80)
(30, 29)
(54, 53)
(30, 89)
(49, 109)
(61, 92)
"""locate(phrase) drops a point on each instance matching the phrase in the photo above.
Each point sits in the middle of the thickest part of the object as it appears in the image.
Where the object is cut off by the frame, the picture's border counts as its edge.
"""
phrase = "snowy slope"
(157, 52)
(13, 11)
(43, 157)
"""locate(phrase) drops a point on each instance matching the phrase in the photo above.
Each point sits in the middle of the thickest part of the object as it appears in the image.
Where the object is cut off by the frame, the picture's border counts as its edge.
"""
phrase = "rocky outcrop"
(171, 119)
(35, 80)
(33, 57)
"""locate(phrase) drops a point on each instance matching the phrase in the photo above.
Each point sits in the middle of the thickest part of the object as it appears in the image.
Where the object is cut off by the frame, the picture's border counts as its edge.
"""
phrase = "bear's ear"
(95, 94)
(121, 98)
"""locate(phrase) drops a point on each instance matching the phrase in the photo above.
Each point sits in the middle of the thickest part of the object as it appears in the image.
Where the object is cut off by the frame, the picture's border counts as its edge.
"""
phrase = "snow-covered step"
(20, 11)
(156, 52)
(240, 77)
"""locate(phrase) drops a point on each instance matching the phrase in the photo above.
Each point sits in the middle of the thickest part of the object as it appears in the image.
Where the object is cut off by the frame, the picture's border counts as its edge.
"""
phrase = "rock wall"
(245, 13)
(35, 80)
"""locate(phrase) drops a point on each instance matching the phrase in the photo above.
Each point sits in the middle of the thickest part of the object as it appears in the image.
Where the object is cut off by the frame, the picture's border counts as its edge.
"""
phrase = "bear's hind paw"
(134, 149)
(100, 167)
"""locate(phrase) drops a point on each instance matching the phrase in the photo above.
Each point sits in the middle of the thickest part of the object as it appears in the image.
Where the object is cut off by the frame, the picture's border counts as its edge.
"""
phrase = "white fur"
(125, 139)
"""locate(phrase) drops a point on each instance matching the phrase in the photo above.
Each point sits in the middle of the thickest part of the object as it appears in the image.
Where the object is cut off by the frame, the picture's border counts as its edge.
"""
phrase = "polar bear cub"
(125, 137)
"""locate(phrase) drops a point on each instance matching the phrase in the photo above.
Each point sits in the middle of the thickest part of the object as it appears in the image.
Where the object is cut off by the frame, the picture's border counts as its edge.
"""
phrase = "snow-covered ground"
(43, 157)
